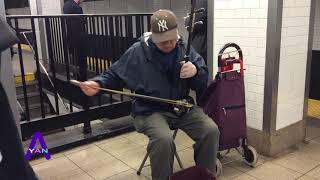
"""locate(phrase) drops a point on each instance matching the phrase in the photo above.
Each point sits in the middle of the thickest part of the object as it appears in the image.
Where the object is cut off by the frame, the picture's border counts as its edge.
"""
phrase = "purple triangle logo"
(32, 150)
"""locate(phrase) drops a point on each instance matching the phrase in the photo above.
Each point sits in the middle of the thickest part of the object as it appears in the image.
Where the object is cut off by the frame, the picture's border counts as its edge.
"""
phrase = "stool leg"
(178, 159)
(143, 162)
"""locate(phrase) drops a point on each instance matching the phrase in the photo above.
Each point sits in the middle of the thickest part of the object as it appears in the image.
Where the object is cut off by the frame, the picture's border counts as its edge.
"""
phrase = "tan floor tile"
(316, 140)
(56, 168)
(77, 149)
(147, 168)
(127, 175)
(43, 159)
(306, 178)
(186, 157)
(138, 138)
(315, 173)
(146, 171)
(312, 132)
(235, 160)
(118, 146)
(77, 174)
(180, 147)
(229, 173)
(183, 139)
(312, 151)
(89, 158)
(134, 157)
(244, 177)
(242, 166)
(269, 171)
(107, 140)
(176, 166)
(233, 155)
(296, 161)
(106, 168)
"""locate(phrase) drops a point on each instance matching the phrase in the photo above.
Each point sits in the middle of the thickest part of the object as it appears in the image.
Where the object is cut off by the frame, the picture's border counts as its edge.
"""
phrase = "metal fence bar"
(63, 26)
(24, 86)
(108, 37)
(38, 68)
(51, 64)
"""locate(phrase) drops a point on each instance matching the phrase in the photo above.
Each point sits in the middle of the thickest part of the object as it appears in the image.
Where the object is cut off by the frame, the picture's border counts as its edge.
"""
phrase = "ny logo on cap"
(162, 24)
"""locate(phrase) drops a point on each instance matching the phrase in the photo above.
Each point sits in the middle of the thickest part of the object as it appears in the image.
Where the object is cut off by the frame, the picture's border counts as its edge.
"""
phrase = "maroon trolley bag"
(224, 102)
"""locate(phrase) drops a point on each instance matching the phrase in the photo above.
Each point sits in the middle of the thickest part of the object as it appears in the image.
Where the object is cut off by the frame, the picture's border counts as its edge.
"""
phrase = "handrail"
(68, 15)
(46, 72)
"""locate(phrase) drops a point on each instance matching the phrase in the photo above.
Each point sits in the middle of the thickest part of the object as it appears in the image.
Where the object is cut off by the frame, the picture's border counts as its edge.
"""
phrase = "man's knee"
(212, 130)
(162, 141)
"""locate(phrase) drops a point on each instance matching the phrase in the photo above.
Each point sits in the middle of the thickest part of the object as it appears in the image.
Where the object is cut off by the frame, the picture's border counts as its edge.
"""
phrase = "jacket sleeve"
(118, 75)
(199, 82)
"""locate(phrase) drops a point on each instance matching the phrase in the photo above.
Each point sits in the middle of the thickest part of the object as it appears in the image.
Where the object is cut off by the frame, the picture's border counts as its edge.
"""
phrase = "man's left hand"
(188, 70)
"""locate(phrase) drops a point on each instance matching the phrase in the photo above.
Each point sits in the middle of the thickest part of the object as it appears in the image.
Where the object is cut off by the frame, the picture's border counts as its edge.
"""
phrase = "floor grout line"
(121, 161)
(80, 167)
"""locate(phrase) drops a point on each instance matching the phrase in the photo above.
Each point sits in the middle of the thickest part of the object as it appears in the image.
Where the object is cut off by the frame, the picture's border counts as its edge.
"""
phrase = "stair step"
(31, 86)
(35, 110)
(29, 77)
(33, 98)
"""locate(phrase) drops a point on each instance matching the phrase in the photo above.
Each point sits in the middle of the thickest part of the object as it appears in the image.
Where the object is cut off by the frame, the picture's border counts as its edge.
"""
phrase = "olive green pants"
(161, 146)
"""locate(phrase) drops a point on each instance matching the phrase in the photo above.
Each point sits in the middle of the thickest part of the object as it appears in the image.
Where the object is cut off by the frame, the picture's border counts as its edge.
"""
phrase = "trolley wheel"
(250, 156)
(218, 168)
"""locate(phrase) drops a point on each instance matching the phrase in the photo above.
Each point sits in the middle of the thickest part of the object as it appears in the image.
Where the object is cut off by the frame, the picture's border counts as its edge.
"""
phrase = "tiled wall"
(245, 23)
(316, 33)
(51, 6)
(293, 59)
(180, 7)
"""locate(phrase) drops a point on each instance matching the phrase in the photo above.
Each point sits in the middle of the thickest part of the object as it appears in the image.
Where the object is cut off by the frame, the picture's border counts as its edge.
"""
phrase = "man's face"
(167, 46)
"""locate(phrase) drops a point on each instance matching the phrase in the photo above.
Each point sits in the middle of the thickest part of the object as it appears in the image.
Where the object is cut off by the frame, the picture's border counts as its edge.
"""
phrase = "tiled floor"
(118, 159)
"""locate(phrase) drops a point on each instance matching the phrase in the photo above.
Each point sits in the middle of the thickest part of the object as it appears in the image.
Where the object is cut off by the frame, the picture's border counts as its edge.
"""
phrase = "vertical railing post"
(51, 62)
(24, 86)
(38, 67)
(66, 57)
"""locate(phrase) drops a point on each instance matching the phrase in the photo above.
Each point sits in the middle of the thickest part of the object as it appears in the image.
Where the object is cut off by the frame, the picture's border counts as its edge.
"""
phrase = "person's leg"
(205, 133)
(161, 145)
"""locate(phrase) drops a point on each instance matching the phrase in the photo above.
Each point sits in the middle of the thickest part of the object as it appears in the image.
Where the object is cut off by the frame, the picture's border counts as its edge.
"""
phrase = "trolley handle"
(221, 52)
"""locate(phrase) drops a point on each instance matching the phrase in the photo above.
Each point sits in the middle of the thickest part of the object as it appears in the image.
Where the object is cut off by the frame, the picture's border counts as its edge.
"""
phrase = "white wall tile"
(242, 13)
(293, 56)
(259, 13)
(251, 4)
(263, 4)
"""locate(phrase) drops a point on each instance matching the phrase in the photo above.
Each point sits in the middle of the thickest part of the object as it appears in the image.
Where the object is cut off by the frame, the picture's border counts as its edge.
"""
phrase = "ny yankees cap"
(164, 26)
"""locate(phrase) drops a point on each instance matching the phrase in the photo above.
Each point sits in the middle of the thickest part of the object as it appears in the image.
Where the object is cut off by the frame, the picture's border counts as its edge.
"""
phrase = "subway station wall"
(245, 22)
(179, 7)
(293, 61)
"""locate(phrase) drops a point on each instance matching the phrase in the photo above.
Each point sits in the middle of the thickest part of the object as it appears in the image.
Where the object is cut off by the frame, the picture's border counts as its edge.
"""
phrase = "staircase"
(34, 101)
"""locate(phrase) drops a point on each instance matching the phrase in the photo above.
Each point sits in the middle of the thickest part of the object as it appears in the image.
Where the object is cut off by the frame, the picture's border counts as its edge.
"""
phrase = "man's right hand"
(88, 87)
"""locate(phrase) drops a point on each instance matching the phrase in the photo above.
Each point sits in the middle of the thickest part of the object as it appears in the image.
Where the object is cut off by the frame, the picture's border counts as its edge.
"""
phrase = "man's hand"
(88, 87)
(188, 70)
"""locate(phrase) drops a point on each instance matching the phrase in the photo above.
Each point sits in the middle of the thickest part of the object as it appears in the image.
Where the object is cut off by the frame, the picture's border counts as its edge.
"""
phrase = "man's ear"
(8, 35)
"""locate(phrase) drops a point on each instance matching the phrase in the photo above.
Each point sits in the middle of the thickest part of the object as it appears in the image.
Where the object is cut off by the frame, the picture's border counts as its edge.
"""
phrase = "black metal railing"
(72, 47)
